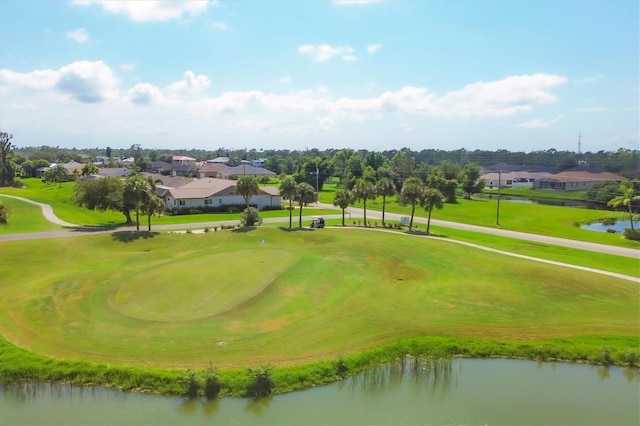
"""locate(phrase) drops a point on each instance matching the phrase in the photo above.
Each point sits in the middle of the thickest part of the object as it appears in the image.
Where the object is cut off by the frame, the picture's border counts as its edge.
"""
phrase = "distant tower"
(580, 142)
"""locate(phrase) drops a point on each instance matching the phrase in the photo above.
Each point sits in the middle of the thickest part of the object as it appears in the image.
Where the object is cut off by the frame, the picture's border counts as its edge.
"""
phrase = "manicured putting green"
(163, 293)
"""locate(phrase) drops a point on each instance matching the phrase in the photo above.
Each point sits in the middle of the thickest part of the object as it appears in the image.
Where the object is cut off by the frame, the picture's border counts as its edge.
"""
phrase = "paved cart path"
(351, 213)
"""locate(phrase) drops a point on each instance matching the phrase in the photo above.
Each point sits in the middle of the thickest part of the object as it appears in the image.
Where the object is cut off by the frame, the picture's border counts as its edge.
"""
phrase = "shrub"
(188, 231)
(250, 217)
(215, 229)
(190, 384)
(261, 383)
(342, 369)
(195, 211)
(630, 234)
(611, 231)
(207, 230)
(630, 358)
(605, 356)
(211, 382)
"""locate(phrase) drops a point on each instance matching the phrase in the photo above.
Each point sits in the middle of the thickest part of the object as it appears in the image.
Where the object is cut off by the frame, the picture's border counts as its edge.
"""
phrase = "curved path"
(75, 230)
(564, 242)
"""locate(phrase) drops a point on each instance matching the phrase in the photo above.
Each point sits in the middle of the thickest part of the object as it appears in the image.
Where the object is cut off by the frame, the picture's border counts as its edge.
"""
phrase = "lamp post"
(498, 207)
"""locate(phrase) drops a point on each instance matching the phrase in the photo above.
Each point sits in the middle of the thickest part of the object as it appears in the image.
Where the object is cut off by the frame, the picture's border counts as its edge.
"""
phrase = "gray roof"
(209, 187)
(248, 169)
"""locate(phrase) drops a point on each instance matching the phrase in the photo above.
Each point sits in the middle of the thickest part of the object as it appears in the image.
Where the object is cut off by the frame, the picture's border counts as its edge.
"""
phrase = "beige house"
(576, 179)
(213, 192)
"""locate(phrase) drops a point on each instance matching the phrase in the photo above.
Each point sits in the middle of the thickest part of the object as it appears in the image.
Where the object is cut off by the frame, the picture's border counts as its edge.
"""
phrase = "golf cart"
(317, 222)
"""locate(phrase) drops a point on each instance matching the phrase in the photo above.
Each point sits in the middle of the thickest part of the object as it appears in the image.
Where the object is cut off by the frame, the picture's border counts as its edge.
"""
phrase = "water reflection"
(407, 391)
(421, 371)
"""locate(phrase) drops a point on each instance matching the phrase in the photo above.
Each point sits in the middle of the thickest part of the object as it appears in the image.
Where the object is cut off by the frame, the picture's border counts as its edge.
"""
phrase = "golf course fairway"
(287, 297)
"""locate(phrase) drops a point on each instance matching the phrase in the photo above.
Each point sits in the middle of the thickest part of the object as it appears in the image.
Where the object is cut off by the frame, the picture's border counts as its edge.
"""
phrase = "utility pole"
(317, 180)
(498, 208)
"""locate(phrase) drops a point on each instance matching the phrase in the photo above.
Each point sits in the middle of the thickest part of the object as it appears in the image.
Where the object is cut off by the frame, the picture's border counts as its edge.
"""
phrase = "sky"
(325, 74)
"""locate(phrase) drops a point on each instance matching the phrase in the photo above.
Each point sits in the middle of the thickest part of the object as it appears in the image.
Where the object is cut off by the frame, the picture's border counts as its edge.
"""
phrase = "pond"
(542, 201)
(617, 226)
(471, 392)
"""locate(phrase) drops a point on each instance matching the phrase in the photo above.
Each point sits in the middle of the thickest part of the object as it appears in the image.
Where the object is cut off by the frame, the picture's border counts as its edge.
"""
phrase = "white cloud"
(190, 85)
(94, 82)
(325, 52)
(150, 10)
(80, 35)
(83, 81)
(284, 80)
(590, 79)
(509, 96)
(128, 67)
(87, 81)
(220, 26)
(144, 94)
(373, 48)
(538, 123)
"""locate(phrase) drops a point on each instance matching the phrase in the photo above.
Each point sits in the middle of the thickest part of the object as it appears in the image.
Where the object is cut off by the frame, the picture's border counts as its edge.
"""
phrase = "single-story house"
(183, 160)
(168, 181)
(211, 170)
(512, 179)
(212, 192)
(158, 166)
(219, 160)
(245, 170)
(577, 178)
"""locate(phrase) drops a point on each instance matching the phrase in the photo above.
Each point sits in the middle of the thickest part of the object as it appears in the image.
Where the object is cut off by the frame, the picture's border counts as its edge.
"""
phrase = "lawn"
(532, 218)
(60, 198)
(25, 217)
(269, 295)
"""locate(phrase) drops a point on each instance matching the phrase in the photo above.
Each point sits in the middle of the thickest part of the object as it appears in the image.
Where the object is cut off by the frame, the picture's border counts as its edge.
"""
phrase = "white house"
(212, 192)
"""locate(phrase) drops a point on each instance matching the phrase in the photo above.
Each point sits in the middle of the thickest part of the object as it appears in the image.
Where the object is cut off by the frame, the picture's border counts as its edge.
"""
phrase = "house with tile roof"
(577, 178)
(213, 192)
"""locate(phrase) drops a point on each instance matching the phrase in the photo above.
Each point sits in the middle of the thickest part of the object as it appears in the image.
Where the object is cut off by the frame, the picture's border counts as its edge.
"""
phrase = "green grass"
(539, 193)
(25, 217)
(531, 218)
(59, 197)
(329, 293)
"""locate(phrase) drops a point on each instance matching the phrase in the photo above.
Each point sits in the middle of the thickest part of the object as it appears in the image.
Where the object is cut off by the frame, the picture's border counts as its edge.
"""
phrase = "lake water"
(618, 226)
(474, 392)
(543, 201)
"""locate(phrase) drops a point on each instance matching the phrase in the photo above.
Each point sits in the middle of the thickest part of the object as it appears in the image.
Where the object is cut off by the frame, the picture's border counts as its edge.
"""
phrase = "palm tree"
(432, 198)
(626, 198)
(363, 190)
(56, 174)
(154, 205)
(412, 193)
(4, 214)
(246, 187)
(89, 169)
(137, 190)
(288, 192)
(342, 199)
(385, 188)
(305, 194)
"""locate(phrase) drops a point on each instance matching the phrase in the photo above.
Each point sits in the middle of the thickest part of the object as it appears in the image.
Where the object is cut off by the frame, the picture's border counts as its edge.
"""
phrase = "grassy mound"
(270, 295)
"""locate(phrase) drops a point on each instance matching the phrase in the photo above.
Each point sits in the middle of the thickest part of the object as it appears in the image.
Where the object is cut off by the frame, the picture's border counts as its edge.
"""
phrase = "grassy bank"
(18, 365)
(159, 304)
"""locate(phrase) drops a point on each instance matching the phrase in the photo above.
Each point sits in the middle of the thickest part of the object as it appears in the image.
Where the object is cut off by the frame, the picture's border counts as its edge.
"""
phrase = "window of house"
(220, 201)
(208, 202)
(181, 203)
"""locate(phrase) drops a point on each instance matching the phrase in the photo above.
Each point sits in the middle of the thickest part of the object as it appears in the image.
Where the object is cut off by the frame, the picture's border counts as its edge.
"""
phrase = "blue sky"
(378, 75)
